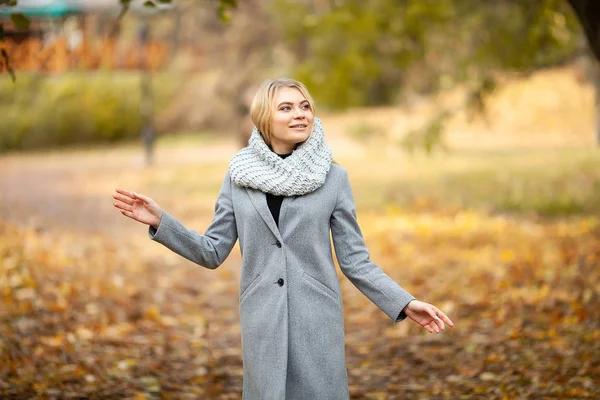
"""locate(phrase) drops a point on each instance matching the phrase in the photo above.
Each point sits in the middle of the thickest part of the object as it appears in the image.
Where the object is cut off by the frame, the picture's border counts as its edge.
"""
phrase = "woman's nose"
(299, 113)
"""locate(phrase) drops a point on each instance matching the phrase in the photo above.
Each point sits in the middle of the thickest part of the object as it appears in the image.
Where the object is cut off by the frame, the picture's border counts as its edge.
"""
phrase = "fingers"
(428, 316)
(132, 196)
(437, 324)
(128, 214)
(126, 193)
(123, 206)
(435, 327)
(124, 199)
(438, 319)
(432, 327)
(444, 317)
(145, 199)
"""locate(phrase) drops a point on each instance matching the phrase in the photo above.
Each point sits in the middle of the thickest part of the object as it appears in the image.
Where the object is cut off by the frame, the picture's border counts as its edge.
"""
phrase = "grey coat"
(290, 306)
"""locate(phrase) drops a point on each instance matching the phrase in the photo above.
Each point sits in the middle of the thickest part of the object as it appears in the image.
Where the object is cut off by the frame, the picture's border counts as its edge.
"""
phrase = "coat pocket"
(248, 288)
(322, 288)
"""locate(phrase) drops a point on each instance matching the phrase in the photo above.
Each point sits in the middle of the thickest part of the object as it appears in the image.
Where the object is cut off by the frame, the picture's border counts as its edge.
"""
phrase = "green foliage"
(361, 53)
(42, 112)
(354, 54)
(20, 21)
(521, 35)
(224, 10)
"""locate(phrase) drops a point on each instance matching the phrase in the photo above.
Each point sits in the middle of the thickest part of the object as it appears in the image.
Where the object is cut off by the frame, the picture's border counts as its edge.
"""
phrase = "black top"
(274, 202)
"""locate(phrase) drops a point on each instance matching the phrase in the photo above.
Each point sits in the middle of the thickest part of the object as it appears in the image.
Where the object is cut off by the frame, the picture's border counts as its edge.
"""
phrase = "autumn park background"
(469, 131)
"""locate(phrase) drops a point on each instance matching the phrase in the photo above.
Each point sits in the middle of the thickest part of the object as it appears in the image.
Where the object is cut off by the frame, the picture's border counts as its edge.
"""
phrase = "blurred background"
(470, 133)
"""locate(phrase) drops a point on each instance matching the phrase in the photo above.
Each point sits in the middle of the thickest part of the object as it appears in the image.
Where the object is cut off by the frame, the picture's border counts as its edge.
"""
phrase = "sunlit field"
(501, 229)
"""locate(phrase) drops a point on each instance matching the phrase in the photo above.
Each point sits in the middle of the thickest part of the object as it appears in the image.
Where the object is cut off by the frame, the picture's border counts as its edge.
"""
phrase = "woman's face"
(292, 120)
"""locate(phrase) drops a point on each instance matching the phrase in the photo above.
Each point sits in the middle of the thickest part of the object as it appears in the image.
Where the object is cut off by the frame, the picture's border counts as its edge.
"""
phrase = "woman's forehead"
(287, 94)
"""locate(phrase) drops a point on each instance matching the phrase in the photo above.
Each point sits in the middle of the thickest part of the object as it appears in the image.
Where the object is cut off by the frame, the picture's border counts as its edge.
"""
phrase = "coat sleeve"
(354, 259)
(208, 250)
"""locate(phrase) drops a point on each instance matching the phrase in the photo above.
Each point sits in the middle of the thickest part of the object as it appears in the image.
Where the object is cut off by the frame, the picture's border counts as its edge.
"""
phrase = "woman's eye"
(286, 108)
(306, 107)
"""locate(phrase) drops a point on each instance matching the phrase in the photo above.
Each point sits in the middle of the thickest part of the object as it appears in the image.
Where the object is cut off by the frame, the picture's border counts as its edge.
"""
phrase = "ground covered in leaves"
(83, 316)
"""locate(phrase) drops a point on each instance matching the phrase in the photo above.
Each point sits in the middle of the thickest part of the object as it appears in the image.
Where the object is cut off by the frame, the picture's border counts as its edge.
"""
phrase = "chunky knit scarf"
(258, 167)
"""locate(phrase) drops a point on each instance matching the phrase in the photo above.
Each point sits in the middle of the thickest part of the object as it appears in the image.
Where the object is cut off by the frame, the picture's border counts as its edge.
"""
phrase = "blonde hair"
(261, 109)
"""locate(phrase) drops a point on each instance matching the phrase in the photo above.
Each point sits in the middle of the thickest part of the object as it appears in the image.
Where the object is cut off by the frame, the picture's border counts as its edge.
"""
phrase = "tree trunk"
(588, 14)
(593, 76)
(146, 98)
(591, 72)
(596, 82)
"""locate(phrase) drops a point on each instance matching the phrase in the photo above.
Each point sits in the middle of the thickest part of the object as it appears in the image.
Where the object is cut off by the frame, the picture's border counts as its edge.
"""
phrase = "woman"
(282, 196)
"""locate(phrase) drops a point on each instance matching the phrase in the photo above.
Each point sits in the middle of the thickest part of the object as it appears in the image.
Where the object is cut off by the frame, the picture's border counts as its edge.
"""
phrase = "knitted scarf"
(258, 167)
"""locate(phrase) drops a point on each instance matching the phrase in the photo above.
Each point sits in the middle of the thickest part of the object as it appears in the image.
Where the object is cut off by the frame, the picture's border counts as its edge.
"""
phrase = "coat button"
(278, 244)
(280, 282)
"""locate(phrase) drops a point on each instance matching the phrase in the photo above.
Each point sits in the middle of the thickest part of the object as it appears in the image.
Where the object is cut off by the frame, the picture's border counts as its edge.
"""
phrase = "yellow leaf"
(508, 255)
(53, 341)
(153, 313)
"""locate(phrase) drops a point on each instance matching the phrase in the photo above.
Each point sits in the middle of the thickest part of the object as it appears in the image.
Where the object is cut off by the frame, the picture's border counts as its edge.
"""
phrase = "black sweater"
(274, 202)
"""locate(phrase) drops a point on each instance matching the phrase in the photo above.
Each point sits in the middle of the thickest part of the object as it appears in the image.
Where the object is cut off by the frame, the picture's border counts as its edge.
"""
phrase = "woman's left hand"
(427, 315)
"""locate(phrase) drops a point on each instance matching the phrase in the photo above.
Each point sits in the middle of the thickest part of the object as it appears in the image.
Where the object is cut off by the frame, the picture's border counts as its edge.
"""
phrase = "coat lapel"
(259, 200)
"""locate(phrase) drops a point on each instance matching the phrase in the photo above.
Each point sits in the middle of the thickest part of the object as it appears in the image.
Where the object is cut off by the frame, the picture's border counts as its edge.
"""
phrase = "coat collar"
(259, 200)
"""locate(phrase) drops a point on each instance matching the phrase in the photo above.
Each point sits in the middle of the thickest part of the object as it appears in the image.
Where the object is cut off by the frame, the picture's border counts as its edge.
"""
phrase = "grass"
(552, 182)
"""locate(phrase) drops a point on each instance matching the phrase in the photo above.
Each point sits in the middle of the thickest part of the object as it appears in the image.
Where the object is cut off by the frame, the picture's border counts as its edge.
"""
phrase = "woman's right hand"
(138, 207)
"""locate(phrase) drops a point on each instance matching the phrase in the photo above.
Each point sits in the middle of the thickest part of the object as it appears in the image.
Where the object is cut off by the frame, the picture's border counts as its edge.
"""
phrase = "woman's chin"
(298, 137)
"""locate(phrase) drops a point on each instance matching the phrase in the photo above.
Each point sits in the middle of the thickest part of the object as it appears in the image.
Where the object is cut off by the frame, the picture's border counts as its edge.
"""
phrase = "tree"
(588, 13)
(364, 49)
(354, 53)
